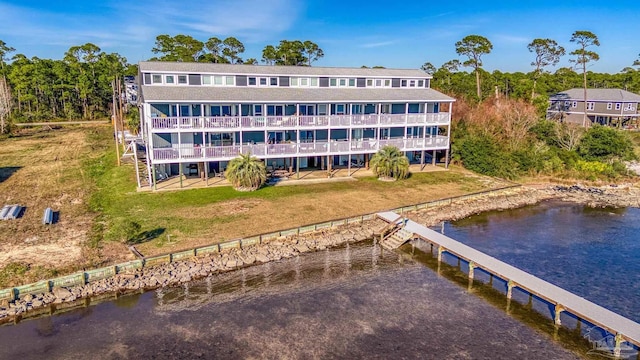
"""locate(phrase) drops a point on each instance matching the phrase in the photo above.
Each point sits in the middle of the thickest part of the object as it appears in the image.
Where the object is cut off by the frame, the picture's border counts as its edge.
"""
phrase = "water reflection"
(354, 302)
(594, 253)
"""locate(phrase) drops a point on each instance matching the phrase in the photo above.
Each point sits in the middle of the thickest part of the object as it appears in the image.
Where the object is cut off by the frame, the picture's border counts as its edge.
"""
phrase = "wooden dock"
(622, 328)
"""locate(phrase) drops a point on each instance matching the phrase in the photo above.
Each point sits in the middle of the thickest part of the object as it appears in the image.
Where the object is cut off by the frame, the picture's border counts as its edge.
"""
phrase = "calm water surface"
(357, 302)
(594, 253)
(348, 303)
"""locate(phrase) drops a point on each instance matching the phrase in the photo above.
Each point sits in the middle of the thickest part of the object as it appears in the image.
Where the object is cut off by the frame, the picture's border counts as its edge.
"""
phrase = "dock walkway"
(624, 329)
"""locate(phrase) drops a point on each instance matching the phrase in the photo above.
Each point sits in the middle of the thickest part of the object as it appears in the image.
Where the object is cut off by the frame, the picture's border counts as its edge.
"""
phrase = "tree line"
(536, 85)
(85, 83)
(228, 51)
(499, 126)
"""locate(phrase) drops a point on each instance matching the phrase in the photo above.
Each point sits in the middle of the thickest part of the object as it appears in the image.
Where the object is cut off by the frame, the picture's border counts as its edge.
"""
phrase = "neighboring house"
(200, 116)
(604, 106)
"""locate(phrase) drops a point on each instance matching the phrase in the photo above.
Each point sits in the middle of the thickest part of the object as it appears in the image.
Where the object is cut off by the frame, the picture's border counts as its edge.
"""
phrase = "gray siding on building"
(395, 82)
(362, 82)
(195, 79)
(268, 94)
(283, 81)
(324, 82)
(211, 68)
(147, 79)
(241, 80)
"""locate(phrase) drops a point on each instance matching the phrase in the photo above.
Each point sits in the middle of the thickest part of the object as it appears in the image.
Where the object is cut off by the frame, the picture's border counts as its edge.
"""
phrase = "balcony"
(189, 152)
(235, 123)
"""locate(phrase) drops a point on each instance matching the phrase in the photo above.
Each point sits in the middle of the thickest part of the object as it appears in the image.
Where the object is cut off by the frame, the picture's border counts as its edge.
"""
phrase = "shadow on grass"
(6, 172)
(145, 236)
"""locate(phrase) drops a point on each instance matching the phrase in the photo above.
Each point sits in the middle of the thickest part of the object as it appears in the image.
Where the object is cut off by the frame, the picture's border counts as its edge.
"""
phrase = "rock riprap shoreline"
(198, 267)
(605, 196)
(286, 247)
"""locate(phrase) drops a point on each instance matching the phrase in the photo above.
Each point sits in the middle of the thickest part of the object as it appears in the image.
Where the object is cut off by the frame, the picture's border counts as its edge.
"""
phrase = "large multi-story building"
(196, 117)
(604, 106)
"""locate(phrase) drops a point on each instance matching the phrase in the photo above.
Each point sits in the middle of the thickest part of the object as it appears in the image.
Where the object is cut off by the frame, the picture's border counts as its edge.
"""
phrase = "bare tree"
(569, 135)
(5, 104)
(516, 118)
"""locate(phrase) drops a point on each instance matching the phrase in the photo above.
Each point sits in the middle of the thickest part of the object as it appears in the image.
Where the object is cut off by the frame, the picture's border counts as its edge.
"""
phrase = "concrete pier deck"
(624, 329)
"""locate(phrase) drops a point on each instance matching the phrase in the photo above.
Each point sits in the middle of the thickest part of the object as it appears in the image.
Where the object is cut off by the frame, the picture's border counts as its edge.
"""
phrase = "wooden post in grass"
(114, 121)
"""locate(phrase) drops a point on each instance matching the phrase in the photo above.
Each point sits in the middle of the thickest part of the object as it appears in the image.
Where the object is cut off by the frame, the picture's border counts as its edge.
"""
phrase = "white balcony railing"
(335, 147)
(289, 122)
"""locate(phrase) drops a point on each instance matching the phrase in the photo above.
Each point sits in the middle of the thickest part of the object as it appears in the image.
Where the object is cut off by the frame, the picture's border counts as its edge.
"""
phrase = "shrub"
(390, 162)
(603, 143)
(246, 172)
(481, 154)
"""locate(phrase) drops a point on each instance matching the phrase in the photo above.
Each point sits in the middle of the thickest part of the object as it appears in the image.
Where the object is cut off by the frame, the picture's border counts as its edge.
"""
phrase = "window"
(304, 82)
(618, 106)
(574, 104)
(412, 83)
(343, 82)
(169, 79)
(567, 103)
(590, 105)
(609, 106)
(420, 83)
(252, 81)
(273, 81)
(218, 80)
(263, 81)
(403, 83)
(182, 79)
(352, 82)
(156, 79)
(333, 82)
(629, 107)
(378, 82)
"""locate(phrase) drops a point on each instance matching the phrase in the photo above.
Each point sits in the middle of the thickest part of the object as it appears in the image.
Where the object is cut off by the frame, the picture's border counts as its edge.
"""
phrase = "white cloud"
(512, 39)
(377, 44)
(249, 20)
(134, 25)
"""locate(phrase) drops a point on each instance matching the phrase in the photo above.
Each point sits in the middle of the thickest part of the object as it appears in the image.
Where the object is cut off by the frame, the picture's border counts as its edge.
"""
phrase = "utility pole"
(121, 112)
(113, 119)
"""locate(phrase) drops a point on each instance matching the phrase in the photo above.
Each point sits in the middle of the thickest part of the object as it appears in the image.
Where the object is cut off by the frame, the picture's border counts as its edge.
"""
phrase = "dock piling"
(558, 310)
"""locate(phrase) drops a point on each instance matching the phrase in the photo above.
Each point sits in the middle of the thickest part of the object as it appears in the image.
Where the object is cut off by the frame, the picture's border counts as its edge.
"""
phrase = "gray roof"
(232, 69)
(612, 95)
(288, 95)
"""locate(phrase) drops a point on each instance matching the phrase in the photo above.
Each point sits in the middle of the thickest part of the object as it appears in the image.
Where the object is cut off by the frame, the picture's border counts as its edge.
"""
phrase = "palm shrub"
(389, 162)
(246, 173)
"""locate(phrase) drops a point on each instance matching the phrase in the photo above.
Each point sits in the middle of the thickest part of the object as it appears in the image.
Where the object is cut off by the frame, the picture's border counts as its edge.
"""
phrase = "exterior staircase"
(396, 238)
(141, 155)
(142, 167)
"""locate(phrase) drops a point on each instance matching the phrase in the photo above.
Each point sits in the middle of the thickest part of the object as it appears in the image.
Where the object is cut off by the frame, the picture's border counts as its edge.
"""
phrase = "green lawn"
(207, 215)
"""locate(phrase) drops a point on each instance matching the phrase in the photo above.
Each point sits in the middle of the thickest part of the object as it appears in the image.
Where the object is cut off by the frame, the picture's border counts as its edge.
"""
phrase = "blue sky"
(400, 34)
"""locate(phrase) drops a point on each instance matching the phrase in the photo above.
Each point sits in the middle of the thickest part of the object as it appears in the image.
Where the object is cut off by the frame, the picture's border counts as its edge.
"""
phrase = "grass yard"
(73, 170)
(40, 169)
